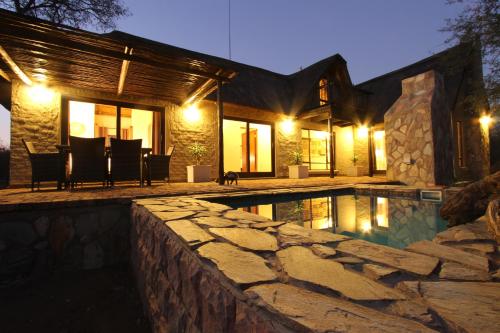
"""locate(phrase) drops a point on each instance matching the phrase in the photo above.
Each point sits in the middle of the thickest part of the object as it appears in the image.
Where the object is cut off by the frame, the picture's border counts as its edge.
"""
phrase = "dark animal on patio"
(229, 177)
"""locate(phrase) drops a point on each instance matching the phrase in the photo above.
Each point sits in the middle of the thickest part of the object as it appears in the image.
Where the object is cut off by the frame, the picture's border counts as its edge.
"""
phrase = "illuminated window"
(316, 149)
(323, 91)
(380, 154)
(92, 120)
(382, 212)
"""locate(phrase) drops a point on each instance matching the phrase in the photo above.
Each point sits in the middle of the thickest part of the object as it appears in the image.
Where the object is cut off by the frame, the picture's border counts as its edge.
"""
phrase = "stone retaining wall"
(35, 243)
(204, 267)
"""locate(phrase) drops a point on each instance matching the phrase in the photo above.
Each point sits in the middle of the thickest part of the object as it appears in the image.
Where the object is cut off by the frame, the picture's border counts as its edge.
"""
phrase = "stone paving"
(19, 198)
(205, 267)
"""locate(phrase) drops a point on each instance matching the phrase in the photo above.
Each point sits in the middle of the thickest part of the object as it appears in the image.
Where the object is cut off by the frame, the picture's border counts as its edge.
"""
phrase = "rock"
(349, 260)
(145, 202)
(241, 267)
(42, 225)
(496, 275)
(470, 232)
(323, 251)
(250, 239)
(454, 271)
(93, 256)
(189, 232)
(270, 230)
(451, 254)
(168, 216)
(412, 310)
(404, 260)
(17, 232)
(378, 272)
(214, 207)
(475, 248)
(242, 215)
(410, 288)
(314, 312)
(215, 222)
(292, 234)
(60, 234)
(465, 306)
(264, 225)
(493, 219)
(471, 202)
(301, 264)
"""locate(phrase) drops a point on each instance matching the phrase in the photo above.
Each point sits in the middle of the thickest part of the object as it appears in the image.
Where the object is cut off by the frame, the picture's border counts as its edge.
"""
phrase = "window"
(460, 144)
(323, 91)
(91, 120)
(379, 147)
(316, 149)
(247, 147)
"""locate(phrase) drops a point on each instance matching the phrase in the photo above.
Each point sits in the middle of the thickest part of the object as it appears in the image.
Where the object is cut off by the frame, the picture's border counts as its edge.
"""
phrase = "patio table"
(65, 151)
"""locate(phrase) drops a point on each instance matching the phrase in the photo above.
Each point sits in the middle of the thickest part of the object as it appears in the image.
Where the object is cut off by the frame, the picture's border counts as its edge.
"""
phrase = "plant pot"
(298, 171)
(198, 173)
(354, 171)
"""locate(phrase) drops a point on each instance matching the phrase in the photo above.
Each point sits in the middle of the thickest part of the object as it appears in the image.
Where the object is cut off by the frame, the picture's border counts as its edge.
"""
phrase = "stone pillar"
(418, 134)
(287, 141)
(361, 151)
(35, 116)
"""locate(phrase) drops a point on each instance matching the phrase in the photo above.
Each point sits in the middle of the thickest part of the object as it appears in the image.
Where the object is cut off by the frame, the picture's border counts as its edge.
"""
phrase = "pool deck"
(13, 199)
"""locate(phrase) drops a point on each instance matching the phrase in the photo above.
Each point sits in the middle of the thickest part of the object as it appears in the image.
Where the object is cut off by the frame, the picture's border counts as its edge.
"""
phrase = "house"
(416, 124)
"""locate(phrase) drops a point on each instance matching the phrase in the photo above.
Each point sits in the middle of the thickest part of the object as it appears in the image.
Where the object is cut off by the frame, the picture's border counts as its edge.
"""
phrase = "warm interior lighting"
(485, 120)
(366, 226)
(287, 125)
(192, 113)
(362, 132)
(41, 94)
(380, 154)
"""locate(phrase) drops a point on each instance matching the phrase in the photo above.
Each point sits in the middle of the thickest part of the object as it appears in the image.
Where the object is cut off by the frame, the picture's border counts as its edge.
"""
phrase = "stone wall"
(37, 242)
(418, 133)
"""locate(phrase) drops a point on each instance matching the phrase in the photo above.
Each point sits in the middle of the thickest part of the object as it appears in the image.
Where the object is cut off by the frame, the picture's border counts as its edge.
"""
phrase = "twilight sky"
(374, 36)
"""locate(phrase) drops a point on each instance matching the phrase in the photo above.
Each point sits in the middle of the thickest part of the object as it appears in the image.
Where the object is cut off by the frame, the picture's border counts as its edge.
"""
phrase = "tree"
(76, 13)
(479, 21)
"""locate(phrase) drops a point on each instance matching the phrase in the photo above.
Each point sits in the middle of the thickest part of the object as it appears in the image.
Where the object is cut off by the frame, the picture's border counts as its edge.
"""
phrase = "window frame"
(65, 99)
(327, 163)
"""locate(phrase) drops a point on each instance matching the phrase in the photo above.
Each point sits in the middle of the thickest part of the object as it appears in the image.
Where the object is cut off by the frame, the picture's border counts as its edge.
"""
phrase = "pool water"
(393, 222)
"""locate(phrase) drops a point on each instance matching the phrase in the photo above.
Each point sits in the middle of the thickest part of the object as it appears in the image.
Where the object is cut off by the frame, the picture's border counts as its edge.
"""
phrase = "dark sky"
(374, 36)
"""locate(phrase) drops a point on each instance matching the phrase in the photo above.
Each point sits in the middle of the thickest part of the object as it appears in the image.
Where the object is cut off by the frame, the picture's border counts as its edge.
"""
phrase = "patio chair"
(89, 160)
(126, 160)
(159, 166)
(44, 166)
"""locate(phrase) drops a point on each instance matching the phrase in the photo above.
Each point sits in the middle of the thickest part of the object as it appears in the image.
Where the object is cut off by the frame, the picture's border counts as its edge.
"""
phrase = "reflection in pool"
(390, 221)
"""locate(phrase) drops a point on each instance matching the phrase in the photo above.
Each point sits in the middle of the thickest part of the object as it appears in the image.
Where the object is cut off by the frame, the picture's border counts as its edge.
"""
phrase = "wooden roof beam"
(14, 67)
(204, 90)
(5, 75)
(124, 71)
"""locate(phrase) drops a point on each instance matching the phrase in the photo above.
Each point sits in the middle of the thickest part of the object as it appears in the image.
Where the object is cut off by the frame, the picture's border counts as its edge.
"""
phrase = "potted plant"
(198, 173)
(297, 170)
(354, 170)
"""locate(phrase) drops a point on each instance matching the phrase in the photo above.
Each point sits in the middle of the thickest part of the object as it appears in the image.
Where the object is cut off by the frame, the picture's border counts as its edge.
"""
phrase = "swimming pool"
(393, 222)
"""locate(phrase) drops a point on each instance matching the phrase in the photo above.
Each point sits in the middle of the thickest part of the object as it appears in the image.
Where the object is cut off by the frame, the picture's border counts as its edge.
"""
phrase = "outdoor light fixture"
(362, 132)
(366, 226)
(41, 94)
(287, 125)
(192, 113)
(485, 120)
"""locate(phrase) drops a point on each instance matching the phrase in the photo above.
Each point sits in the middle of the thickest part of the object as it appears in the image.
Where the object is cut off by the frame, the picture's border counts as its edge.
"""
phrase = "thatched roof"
(381, 92)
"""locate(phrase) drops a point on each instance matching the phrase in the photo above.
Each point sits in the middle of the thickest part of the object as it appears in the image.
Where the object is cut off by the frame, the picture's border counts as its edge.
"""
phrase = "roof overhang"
(64, 56)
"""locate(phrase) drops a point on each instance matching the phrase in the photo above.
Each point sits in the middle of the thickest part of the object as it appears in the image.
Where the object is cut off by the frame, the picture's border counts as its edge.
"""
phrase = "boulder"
(493, 218)
(471, 202)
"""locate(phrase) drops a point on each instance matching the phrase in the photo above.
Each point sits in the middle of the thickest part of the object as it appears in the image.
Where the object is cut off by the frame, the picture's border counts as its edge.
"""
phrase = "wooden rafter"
(4, 75)
(124, 70)
(204, 90)
(14, 67)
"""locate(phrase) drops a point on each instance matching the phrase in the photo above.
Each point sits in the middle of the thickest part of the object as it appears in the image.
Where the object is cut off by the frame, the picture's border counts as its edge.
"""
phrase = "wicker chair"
(44, 166)
(159, 166)
(89, 160)
(126, 160)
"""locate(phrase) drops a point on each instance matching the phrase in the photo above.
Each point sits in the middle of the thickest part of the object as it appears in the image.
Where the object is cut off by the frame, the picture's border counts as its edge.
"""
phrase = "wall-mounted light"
(287, 125)
(41, 94)
(366, 226)
(362, 132)
(485, 120)
(192, 113)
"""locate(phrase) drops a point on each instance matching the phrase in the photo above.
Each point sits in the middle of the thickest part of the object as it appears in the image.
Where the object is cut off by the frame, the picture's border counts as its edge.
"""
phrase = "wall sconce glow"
(192, 113)
(41, 94)
(485, 120)
(362, 132)
(366, 226)
(287, 125)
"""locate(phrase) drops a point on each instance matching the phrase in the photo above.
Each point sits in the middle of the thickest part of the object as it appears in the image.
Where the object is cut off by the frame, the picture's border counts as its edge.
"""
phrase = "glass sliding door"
(109, 120)
(316, 149)
(379, 149)
(248, 147)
